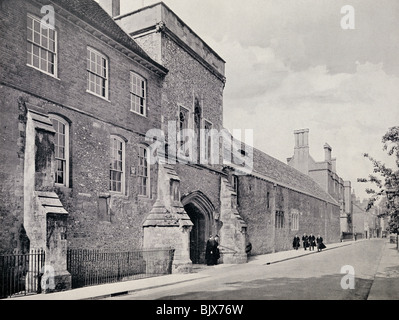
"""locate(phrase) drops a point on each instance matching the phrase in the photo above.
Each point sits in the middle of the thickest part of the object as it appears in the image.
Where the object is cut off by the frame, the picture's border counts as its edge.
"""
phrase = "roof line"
(139, 52)
(178, 18)
(260, 175)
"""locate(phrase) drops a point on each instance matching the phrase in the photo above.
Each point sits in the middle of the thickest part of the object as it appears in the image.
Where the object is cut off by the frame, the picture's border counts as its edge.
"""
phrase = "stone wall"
(259, 199)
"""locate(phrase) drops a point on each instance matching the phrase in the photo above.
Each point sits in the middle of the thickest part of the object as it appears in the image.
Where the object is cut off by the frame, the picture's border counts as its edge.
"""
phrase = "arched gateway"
(200, 210)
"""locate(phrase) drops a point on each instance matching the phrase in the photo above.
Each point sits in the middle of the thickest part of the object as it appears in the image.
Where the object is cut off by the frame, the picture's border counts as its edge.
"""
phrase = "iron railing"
(20, 274)
(93, 267)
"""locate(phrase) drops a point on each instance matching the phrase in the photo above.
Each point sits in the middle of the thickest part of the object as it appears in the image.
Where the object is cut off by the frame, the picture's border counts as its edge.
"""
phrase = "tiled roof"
(273, 170)
(288, 176)
(93, 14)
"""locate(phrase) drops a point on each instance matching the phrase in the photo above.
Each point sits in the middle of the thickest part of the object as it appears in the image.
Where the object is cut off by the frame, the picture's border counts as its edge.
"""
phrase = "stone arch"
(200, 210)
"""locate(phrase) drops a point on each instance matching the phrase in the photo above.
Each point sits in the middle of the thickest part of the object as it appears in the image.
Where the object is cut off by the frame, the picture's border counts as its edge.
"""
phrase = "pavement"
(388, 270)
(386, 281)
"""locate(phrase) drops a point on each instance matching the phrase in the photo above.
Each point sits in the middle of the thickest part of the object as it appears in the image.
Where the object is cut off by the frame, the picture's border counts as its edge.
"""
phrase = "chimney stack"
(327, 152)
(300, 160)
(112, 7)
(301, 138)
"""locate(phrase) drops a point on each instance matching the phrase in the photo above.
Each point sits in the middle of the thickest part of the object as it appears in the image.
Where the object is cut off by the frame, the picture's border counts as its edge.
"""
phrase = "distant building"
(325, 174)
(368, 223)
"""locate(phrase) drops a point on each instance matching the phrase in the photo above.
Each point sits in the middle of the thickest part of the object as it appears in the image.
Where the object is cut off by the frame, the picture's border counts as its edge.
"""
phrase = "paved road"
(316, 276)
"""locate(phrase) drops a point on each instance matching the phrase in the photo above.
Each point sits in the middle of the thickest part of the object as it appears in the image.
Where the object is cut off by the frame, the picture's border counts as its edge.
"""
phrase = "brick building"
(73, 130)
(76, 168)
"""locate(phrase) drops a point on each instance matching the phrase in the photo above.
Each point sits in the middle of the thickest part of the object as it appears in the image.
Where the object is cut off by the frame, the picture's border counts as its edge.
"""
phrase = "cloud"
(290, 66)
(350, 111)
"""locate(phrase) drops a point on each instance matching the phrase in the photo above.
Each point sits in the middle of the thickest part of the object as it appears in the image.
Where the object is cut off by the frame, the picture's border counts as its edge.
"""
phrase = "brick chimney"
(112, 7)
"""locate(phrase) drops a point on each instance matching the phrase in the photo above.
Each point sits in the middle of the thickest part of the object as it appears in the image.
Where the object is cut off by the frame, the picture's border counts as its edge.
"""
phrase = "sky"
(290, 65)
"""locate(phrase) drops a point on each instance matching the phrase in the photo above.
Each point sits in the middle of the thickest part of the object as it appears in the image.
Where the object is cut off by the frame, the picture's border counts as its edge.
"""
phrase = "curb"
(306, 254)
(126, 292)
(299, 255)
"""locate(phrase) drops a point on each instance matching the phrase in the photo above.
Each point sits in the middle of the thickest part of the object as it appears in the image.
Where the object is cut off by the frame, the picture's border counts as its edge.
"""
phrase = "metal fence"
(93, 267)
(20, 274)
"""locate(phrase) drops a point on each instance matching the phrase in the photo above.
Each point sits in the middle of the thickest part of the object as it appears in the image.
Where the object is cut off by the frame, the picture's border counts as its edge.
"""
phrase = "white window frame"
(141, 86)
(112, 159)
(148, 172)
(42, 48)
(100, 55)
(66, 149)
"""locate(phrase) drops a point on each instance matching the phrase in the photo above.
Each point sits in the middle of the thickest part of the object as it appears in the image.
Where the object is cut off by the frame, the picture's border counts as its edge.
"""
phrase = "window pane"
(35, 61)
(29, 22)
(36, 50)
(30, 34)
(44, 42)
(51, 34)
(62, 152)
(36, 25)
(36, 38)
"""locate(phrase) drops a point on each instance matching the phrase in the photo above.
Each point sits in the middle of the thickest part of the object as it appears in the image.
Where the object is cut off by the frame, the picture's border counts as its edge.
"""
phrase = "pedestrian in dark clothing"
(212, 253)
(320, 244)
(305, 241)
(296, 242)
(312, 242)
(248, 245)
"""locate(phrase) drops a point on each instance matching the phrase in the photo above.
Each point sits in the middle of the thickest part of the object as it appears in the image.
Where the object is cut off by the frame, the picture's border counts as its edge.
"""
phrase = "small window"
(295, 221)
(174, 190)
(183, 125)
(61, 150)
(234, 182)
(41, 46)
(268, 200)
(208, 140)
(137, 94)
(279, 223)
(117, 165)
(143, 172)
(97, 73)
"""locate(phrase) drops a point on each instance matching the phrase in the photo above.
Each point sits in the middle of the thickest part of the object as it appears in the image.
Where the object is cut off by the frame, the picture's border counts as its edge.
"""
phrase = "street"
(315, 276)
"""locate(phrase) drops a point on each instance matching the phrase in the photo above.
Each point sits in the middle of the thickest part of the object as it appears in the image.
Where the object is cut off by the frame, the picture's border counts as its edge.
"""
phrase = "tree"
(386, 181)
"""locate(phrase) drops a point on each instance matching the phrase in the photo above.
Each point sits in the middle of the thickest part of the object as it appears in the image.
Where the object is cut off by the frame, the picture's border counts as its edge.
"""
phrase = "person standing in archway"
(212, 253)
(216, 252)
(209, 251)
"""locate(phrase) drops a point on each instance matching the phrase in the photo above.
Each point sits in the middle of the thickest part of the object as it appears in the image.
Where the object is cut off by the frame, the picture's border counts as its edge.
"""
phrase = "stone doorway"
(200, 210)
(198, 234)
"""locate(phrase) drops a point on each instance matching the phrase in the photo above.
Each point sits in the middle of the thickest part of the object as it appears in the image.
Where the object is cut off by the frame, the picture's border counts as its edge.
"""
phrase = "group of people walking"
(309, 242)
(212, 253)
